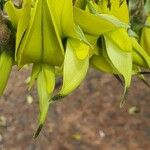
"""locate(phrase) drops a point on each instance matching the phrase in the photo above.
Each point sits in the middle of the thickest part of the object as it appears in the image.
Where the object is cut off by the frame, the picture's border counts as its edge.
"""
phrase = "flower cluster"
(62, 38)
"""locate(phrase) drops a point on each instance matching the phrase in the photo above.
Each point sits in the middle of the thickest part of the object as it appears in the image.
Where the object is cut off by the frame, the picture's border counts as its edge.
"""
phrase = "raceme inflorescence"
(64, 38)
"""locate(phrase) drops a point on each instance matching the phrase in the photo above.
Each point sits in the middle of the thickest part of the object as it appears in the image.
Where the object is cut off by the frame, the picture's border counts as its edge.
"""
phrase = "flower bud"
(6, 63)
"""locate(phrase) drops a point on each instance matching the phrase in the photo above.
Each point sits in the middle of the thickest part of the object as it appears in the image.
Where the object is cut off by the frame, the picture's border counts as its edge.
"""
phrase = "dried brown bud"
(4, 31)
(4, 34)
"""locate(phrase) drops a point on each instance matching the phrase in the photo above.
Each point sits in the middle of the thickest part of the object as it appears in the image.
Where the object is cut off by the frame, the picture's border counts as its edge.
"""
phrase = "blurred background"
(88, 119)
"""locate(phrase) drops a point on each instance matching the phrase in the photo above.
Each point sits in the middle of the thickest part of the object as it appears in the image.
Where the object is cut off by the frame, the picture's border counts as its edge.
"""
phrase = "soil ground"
(88, 119)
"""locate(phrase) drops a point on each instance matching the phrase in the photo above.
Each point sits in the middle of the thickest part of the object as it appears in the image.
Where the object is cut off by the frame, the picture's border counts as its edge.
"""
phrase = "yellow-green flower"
(145, 36)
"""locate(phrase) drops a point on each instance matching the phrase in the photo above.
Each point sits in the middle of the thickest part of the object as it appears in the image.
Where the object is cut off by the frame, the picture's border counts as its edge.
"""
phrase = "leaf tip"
(124, 98)
(38, 131)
